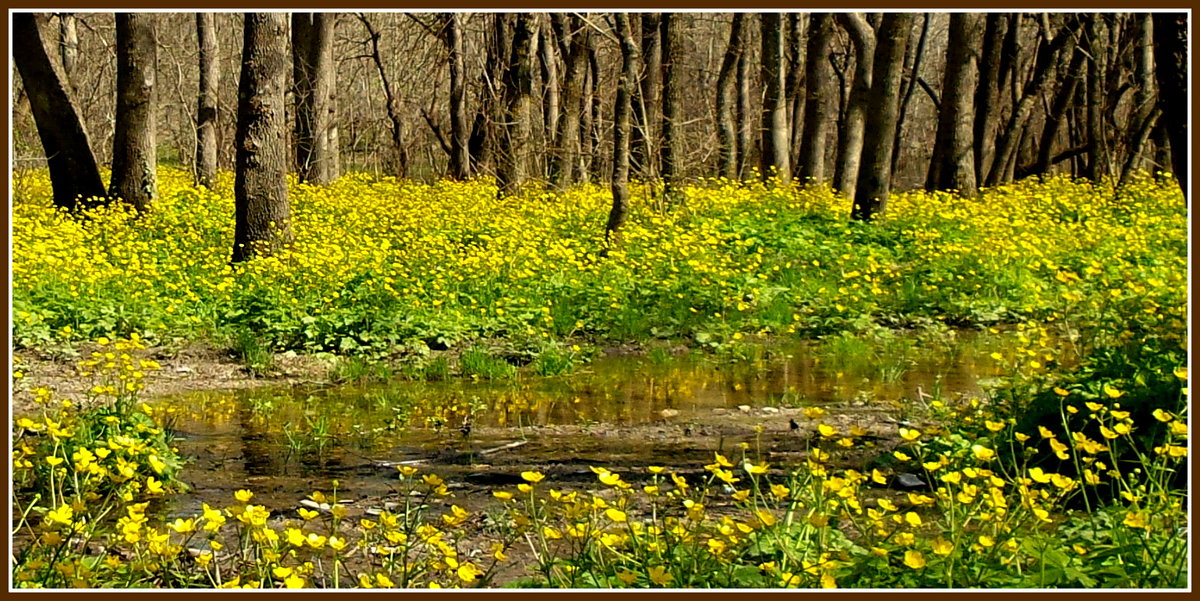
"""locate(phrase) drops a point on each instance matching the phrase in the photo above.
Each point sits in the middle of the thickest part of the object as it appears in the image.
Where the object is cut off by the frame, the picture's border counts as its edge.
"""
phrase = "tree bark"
(874, 178)
(909, 86)
(548, 57)
(669, 152)
(1170, 59)
(745, 140)
(820, 108)
(1002, 166)
(460, 158)
(987, 93)
(135, 157)
(68, 36)
(953, 164)
(1099, 160)
(621, 118)
(775, 136)
(313, 77)
(727, 153)
(263, 215)
(647, 106)
(514, 169)
(1058, 112)
(74, 175)
(565, 158)
(795, 83)
(206, 104)
(850, 143)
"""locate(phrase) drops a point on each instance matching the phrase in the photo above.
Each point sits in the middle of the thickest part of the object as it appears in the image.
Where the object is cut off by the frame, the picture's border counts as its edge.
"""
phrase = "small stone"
(720, 410)
(744, 408)
(183, 369)
(771, 410)
(668, 413)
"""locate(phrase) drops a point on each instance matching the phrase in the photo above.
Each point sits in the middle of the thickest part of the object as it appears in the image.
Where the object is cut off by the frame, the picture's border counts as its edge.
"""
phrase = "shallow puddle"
(622, 411)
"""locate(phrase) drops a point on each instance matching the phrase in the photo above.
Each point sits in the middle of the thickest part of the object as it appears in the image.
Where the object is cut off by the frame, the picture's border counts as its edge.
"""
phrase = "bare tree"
(1170, 59)
(953, 163)
(727, 161)
(68, 40)
(565, 166)
(206, 104)
(850, 143)
(775, 135)
(669, 151)
(514, 167)
(647, 104)
(820, 106)
(262, 215)
(135, 155)
(398, 164)
(73, 171)
(621, 128)
(874, 178)
(313, 80)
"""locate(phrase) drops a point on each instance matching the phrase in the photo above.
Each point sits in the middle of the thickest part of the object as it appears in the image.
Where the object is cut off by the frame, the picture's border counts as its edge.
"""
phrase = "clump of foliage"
(381, 265)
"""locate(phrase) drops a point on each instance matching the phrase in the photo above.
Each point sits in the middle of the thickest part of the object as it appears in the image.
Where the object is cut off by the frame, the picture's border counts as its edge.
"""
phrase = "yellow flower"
(502, 495)
(615, 514)
(986, 540)
(914, 559)
(827, 430)
(993, 426)
(1113, 393)
(659, 575)
(983, 453)
(610, 479)
(942, 546)
(909, 435)
(758, 469)
(913, 519)
(533, 477)
(1162, 416)
(294, 581)
(468, 572)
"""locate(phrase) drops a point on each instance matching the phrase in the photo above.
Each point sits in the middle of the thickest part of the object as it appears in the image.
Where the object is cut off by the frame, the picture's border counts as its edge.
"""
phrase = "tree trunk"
(669, 153)
(135, 158)
(1170, 59)
(564, 163)
(1099, 163)
(621, 118)
(1058, 112)
(312, 71)
(987, 93)
(909, 86)
(550, 90)
(263, 216)
(647, 106)
(513, 170)
(206, 105)
(460, 159)
(745, 140)
(953, 164)
(1043, 72)
(851, 142)
(74, 175)
(775, 136)
(820, 108)
(1144, 113)
(68, 40)
(397, 164)
(875, 175)
(797, 38)
(727, 163)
